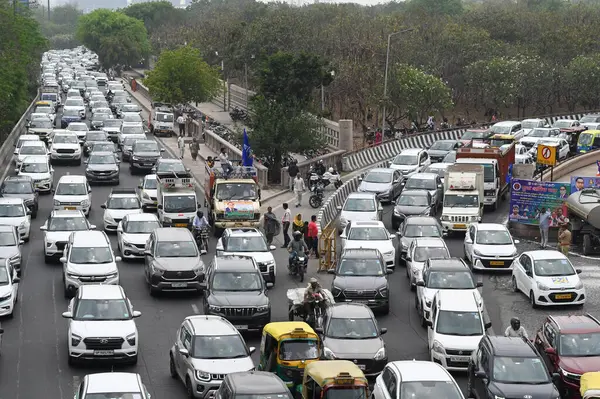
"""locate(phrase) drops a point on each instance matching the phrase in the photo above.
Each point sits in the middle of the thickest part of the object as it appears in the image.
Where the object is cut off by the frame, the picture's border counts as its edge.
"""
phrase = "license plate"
(496, 263)
(180, 224)
(459, 359)
(104, 353)
(179, 285)
(362, 366)
(70, 208)
(460, 226)
(241, 327)
(563, 296)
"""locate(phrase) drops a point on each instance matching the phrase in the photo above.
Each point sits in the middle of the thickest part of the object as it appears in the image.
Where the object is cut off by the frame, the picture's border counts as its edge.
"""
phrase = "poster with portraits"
(528, 197)
(578, 183)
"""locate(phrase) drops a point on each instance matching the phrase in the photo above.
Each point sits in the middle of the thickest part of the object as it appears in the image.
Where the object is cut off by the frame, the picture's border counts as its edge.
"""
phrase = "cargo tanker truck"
(584, 214)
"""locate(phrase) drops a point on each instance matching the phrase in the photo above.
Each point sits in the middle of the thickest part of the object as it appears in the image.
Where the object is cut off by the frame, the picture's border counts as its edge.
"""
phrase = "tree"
(436, 7)
(117, 39)
(581, 81)
(181, 76)
(60, 29)
(154, 14)
(493, 83)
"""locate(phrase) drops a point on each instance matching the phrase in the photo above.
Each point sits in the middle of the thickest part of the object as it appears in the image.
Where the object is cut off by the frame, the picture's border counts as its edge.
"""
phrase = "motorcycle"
(297, 267)
(201, 236)
(316, 317)
(333, 178)
(316, 198)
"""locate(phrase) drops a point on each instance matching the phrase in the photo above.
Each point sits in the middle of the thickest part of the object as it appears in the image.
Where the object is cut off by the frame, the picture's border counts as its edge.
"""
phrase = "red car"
(570, 346)
(471, 135)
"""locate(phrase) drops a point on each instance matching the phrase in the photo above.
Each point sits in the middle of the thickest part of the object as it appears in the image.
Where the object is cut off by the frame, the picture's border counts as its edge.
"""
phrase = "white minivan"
(73, 193)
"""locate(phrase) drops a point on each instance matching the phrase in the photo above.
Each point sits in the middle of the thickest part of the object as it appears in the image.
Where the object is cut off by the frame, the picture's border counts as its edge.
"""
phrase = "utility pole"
(48, 10)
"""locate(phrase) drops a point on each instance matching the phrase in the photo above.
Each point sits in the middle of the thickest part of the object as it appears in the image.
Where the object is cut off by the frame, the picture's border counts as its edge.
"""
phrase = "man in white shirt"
(181, 145)
(181, 123)
(225, 162)
(299, 189)
(285, 223)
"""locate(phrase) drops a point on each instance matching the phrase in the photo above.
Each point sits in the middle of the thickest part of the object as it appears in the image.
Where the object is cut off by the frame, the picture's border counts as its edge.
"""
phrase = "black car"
(350, 332)
(144, 155)
(90, 137)
(21, 187)
(412, 203)
(441, 148)
(361, 277)
(102, 167)
(509, 367)
(236, 290)
(253, 384)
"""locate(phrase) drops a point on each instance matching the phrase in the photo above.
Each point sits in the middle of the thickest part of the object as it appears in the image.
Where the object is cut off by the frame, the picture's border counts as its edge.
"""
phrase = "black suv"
(509, 367)
(361, 276)
(21, 187)
(249, 384)
(236, 290)
(102, 167)
(144, 155)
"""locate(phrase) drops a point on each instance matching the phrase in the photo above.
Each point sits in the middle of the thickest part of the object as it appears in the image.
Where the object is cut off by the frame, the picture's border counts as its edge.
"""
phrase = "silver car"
(386, 183)
(414, 227)
(10, 246)
(420, 250)
(430, 182)
(359, 207)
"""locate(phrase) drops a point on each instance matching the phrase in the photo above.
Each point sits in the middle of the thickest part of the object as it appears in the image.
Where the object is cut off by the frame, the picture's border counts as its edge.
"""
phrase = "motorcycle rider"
(200, 222)
(515, 329)
(320, 168)
(297, 248)
(313, 289)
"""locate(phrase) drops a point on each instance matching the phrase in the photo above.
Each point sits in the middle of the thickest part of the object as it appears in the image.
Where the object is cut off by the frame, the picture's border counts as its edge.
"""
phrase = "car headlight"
(85, 203)
(579, 285)
(112, 275)
(22, 225)
(167, 220)
(261, 309)
(135, 158)
(416, 272)
(438, 347)
(498, 397)
(75, 339)
(380, 355)
(542, 287)
(336, 291)
(403, 245)
(156, 270)
(202, 375)
(146, 196)
(126, 243)
(198, 270)
(6, 297)
(383, 291)
(328, 353)
(56, 203)
(71, 275)
(445, 218)
(478, 253)
(389, 253)
(131, 339)
(214, 308)
(397, 212)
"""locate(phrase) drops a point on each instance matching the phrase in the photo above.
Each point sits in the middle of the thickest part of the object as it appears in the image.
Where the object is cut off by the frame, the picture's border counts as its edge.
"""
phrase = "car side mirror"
(16, 170)
(252, 349)
(103, 206)
(389, 271)
(383, 331)
(479, 284)
(331, 271)
(578, 271)
(22, 242)
(517, 242)
(148, 253)
(184, 352)
(392, 236)
(140, 187)
(272, 247)
(550, 351)
(408, 259)
(92, 227)
(119, 228)
(556, 378)
(118, 259)
(360, 179)
(319, 330)
(420, 283)
(528, 273)
(159, 207)
(1, 330)
(136, 313)
(339, 207)
(488, 325)
(28, 212)
(16, 152)
(428, 323)
(16, 279)
(67, 315)
(445, 234)
(43, 228)
(480, 374)
(380, 208)
(162, 150)
(468, 239)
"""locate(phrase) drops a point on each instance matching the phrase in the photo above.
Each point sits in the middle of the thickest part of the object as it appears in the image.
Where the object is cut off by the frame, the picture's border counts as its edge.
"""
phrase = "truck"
(496, 165)
(463, 197)
(162, 120)
(584, 214)
(177, 202)
(232, 200)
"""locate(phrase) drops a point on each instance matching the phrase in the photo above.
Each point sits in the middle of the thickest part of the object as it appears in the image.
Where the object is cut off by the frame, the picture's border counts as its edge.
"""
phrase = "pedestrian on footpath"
(564, 239)
(271, 225)
(313, 236)
(293, 172)
(544, 219)
(285, 223)
(299, 189)
(181, 146)
(181, 122)
(194, 148)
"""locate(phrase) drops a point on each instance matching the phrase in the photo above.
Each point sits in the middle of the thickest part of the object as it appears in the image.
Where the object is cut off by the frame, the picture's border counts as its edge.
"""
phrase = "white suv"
(57, 230)
(411, 161)
(65, 147)
(112, 385)
(101, 325)
(88, 259)
(13, 212)
(133, 232)
(73, 193)
(206, 349)
(120, 203)
(39, 169)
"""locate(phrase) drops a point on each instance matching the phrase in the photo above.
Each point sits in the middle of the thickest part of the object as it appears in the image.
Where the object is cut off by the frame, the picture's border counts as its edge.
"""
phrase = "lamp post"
(387, 64)
(246, 79)
(323, 93)
(224, 82)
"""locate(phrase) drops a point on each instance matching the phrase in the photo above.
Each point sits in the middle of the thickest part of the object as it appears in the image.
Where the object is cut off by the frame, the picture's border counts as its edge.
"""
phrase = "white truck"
(177, 202)
(463, 197)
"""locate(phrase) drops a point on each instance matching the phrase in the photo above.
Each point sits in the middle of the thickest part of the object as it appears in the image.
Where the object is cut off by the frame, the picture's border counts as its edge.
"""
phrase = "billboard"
(528, 197)
(580, 182)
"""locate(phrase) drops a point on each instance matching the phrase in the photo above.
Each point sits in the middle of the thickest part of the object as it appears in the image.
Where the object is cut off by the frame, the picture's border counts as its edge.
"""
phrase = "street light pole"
(385, 79)
(323, 93)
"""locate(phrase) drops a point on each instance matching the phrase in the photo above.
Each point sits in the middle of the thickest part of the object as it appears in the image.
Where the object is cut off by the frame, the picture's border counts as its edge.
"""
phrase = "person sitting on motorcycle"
(200, 222)
(313, 290)
(297, 248)
(515, 329)
(320, 168)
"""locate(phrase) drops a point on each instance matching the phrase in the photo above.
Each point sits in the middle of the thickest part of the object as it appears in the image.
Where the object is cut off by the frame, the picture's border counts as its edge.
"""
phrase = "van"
(52, 97)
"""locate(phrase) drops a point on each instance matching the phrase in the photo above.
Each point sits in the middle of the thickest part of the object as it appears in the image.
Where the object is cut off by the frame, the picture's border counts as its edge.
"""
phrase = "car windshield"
(11, 210)
(150, 184)
(176, 249)
(40, 124)
(119, 100)
(233, 281)
(92, 255)
(446, 280)
(473, 135)
(368, 234)
(219, 347)
(7, 239)
(4, 279)
(17, 187)
(348, 328)
(103, 147)
(179, 167)
(438, 170)
(65, 139)
(71, 189)
(130, 108)
(424, 253)
(23, 141)
(428, 230)
(540, 133)
(141, 226)
(132, 118)
(442, 145)
(96, 159)
(378, 177)
(34, 167)
(413, 200)
(418, 183)
(590, 118)
(405, 160)
(102, 310)
(246, 244)
(359, 205)
(179, 203)
(429, 389)
(67, 224)
(579, 345)
(553, 267)
(585, 138)
(113, 123)
(519, 370)
(146, 146)
(100, 117)
(450, 157)
(562, 124)
(164, 117)
(298, 349)
(236, 191)
(92, 136)
(132, 130)
(461, 201)
(76, 127)
(530, 124)
(74, 102)
(493, 237)
(459, 323)
(33, 150)
(114, 395)
(128, 142)
(123, 203)
(360, 267)
(501, 129)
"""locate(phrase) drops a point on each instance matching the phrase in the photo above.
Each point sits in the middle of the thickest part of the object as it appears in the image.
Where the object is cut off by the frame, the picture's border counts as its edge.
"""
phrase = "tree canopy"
(60, 27)
(154, 14)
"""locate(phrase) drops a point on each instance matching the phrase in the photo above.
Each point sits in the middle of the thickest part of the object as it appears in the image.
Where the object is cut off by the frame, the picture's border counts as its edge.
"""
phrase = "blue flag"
(246, 151)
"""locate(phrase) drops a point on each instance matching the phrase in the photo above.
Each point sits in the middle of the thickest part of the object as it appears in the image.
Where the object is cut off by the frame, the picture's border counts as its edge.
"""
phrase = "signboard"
(528, 197)
(523, 171)
(580, 182)
(546, 154)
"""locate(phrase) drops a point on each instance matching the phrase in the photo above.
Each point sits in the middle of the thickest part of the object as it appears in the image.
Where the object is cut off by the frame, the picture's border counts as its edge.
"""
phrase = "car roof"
(142, 217)
(507, 123)
(100, 292)
(373, 223)
(457, 301)
(72, 179)
(17, 178)
(361, 253)
(534, 120)
(239, 263)
(11, 200)
(511, 346)
(424, 175)
(33, 143)
(430, 242)
(362, 195)
(576, 323)
(90, 239)
(256, 383)
(545, 254)
(67, 214)
(243, 232)
(384, 170)
(410, 151)
(426, 220)
(150, 177)
(173, 234)
(565, 120)
(416, 192)
(211, 325)
(30, 137)
(454, 264)
(491, 227)
(350, 311)
(113, 381)
(420, 370)
(440, 165)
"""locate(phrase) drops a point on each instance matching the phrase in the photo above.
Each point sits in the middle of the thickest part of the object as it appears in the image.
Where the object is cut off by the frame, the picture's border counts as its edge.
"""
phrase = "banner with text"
(580, 182)
(528, 197)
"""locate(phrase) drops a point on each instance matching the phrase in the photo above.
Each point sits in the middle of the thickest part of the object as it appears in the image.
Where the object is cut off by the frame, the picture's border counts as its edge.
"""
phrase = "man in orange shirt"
(313, 236)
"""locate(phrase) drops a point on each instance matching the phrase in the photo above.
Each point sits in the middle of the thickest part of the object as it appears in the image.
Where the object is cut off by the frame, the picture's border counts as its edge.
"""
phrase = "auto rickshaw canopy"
(291, 329)
(338, 372)
(590, 385)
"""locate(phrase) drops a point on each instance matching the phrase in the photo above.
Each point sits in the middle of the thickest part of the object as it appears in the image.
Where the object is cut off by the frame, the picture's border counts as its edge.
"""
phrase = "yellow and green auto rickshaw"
(498, 140)
(286, 348)
(333, 379)
(588, 141)
(590, 385)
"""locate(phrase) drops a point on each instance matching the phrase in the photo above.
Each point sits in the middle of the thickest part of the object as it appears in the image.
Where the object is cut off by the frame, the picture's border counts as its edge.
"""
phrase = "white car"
(112, 385)
(133, 232)
(47, 110)
(562, 151)
(456, 328)
(522, 155)
(148, 192)
(38, 168)
(29, 148)
(510, 128)
(57, 230)
(9, 288)
(411, 161)
(490, 246)
(73, 193)
(65, 147)
(77, 104)
(538, 134)
(529, 124)
(370, 235)
(132, 119)
(121, 202)
(88, 259)
(13, 212)
(359, 207)
(419, 251)
(73, 93)
(548, 278)
(102, 325)
(249, 242)
(565, 123)
(415, 379)
(23, 138)
(80, 128)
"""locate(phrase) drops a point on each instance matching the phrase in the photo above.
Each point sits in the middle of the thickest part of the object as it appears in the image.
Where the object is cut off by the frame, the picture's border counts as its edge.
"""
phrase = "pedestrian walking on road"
(313, 236)
(564, 239)
(285, 223)
(293, 172)
(299, 189)
(544, 219)
(271, 225)
(194, 148)
(181, 122)
(181, 145)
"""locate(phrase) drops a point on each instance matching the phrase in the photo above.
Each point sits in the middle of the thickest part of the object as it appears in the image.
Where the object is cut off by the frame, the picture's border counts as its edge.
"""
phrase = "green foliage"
(154, 14)
(581, 79)
(118, 40)
(181, 76)
(60, 28)
(435, 7)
